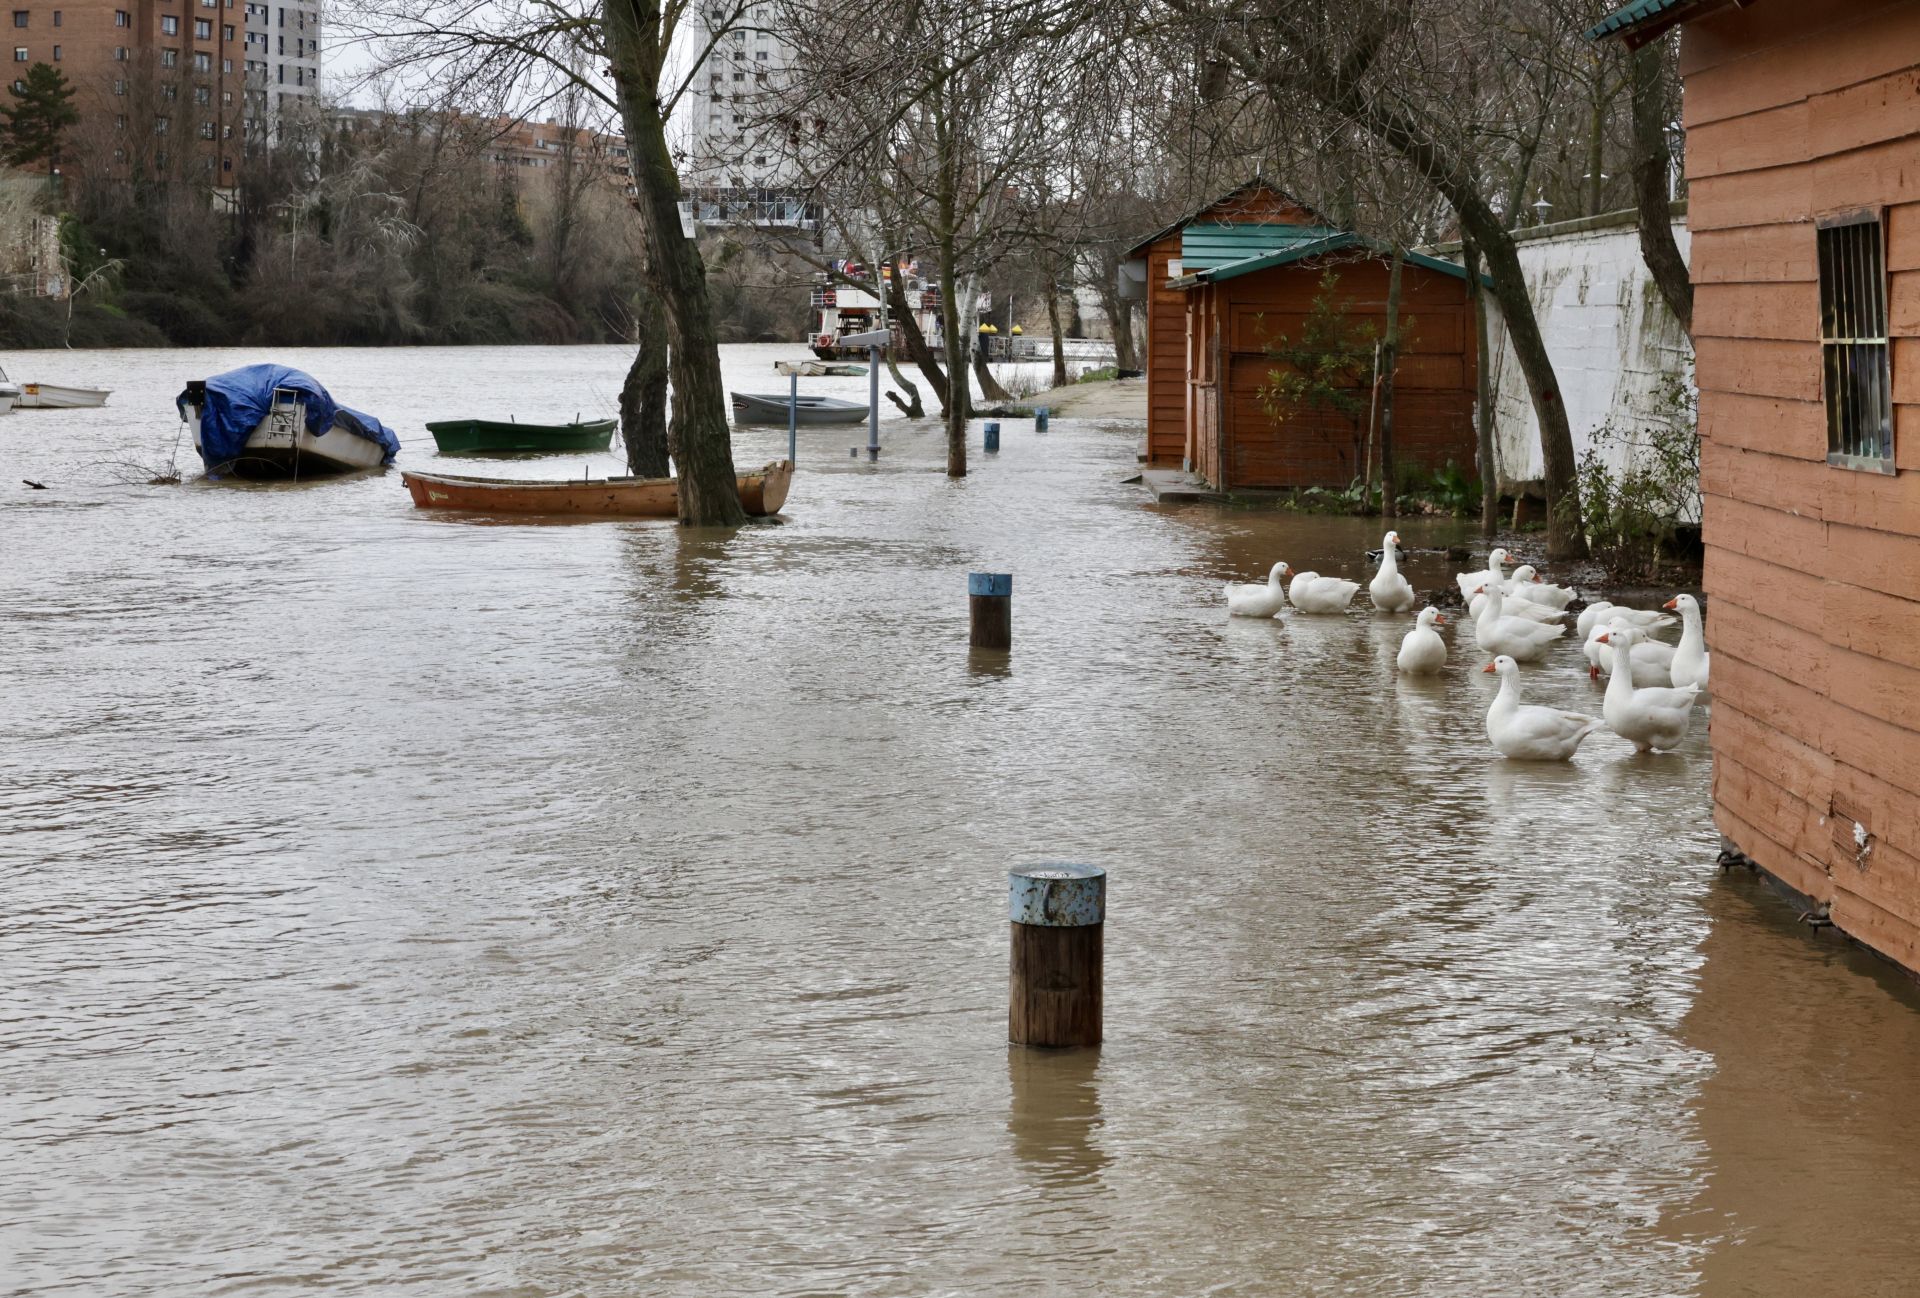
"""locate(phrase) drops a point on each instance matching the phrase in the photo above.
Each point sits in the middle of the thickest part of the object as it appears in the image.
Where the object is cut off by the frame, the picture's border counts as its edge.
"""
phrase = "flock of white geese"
(1652, 686)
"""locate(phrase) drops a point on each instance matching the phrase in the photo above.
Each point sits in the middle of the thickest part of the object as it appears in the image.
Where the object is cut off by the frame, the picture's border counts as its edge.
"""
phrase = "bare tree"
(1393, 69)
(539, 47)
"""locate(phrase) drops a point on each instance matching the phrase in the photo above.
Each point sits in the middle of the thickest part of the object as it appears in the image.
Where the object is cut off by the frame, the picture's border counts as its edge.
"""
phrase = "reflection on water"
(1053, 1115)
(405, 904)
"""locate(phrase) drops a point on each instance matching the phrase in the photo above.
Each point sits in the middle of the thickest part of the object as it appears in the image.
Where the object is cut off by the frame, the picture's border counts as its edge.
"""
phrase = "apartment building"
(724, 147)
(282, 64)
(160, 78)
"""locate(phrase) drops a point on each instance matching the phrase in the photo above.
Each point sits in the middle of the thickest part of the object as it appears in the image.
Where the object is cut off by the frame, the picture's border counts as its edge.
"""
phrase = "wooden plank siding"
(1794, 112)
(1166, 355)
(1433, 420)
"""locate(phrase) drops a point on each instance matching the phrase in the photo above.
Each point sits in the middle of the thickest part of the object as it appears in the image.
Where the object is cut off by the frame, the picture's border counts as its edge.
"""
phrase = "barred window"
(1854, 350)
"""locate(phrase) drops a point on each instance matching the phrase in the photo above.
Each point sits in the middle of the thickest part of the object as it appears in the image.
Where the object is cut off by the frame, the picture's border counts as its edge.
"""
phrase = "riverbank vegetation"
(376, 229)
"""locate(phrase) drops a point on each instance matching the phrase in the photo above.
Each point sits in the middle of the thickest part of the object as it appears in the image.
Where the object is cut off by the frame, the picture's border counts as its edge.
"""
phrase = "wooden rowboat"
(762, 491)
(492, 437)
(771, 408)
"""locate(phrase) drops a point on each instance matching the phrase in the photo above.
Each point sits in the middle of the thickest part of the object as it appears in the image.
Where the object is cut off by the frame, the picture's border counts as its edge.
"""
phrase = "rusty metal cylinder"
(990, 610)
(1057, 915)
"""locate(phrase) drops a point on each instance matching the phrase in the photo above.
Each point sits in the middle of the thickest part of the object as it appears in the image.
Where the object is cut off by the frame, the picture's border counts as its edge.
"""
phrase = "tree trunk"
(1652, 163)
(952, 326)
(990, 389)
(643, 398)
(1389, 358)
(1483, 395)
(1119, 313)
(1596, 144)
(917, 350)
(1458, 184)
(709, 493)
(1053, 321)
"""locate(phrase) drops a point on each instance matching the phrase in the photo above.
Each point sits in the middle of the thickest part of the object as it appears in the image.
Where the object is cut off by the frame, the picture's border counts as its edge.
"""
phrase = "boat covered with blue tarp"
(273, 421)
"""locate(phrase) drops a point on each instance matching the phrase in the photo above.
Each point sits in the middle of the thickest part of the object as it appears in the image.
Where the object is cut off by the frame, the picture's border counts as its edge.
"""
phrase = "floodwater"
(405, 904)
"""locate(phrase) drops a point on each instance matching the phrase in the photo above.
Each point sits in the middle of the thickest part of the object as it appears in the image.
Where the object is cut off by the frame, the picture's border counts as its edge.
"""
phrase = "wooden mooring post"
(1058, 915)
(990, 608)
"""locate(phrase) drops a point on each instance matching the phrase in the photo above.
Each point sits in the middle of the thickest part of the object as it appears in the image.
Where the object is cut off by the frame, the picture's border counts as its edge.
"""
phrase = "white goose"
(1255, 599)
(1518, 608)
(1527, 585)
(1496, 560)
(1312, 593)
(1690, 660)
(1647, 718)
(1514, 636)
(1601, 611)
(1391, 592)
(1652, 660)
(1526, 732)
(1423, 652)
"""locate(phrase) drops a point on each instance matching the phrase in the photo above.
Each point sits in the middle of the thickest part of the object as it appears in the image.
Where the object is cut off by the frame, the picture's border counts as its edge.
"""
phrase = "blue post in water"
(990, 609)
(993, 436)
(793, 417)
(1058, 919)
(873, 404)
(1040, 420)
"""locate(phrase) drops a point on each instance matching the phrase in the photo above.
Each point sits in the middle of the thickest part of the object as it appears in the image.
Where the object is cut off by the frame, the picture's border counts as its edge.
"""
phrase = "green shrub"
(1632, 514)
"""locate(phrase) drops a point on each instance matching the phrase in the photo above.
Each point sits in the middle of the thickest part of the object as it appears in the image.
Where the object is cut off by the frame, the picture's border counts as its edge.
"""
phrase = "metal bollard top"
(1057, 895)
(990, 583)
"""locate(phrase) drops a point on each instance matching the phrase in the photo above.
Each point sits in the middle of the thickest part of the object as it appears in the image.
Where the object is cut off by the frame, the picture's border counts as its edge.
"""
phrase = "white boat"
(771, 408)
(58, 396)
(9, 393)
(281, 446)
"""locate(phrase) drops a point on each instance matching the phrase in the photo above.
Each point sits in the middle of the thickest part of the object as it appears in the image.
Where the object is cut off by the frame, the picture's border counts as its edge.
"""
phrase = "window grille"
(1854, 350)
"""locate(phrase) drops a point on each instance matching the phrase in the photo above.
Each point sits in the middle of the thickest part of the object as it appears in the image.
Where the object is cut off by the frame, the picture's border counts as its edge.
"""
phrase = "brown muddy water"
(407, 905)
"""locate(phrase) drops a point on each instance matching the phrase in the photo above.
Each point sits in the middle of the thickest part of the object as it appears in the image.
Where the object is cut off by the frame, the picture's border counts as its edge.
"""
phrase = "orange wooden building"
(1803, 163)
(1223, 284)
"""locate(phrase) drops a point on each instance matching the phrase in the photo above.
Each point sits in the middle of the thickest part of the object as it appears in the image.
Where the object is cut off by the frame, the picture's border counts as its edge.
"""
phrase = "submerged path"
(408, 905)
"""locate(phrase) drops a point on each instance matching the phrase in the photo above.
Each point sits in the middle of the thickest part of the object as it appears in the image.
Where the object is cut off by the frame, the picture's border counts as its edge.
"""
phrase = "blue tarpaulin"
(238, 400)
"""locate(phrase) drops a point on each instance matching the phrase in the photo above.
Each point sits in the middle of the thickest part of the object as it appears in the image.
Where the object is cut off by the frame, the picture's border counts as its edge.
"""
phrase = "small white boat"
(58, 396)
(9, 393)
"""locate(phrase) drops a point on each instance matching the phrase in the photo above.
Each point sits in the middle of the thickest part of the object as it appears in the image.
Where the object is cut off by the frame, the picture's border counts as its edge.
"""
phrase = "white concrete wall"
(1611, 336)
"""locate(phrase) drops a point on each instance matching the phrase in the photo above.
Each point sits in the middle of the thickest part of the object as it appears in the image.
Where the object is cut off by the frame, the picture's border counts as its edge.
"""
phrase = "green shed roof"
(1644, 20)
(1203, 247)
(1314, 241)
(1630, 16)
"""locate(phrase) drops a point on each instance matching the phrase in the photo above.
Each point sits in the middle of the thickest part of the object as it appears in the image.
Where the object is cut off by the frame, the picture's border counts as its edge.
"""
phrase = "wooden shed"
(1225, 285)
(1154, 263)
(1803, 161)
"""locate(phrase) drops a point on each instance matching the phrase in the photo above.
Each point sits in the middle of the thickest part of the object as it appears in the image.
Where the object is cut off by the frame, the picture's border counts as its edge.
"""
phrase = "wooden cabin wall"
(1433, 420)
(1166, 358)
(1794, 111)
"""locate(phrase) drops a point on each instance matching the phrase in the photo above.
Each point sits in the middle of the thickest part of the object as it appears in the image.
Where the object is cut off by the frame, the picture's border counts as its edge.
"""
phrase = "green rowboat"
(489, 437)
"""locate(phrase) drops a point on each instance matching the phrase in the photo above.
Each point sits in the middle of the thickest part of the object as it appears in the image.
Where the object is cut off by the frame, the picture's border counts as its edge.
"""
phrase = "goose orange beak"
(1441, 618)
(1603, 638)
(1538, 578)
(1672, 603)
(1480, 590)
(1489, 667)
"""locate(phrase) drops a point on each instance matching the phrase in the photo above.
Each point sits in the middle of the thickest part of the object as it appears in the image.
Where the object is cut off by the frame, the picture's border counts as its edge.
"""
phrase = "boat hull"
(489, 437)
(281, 447)
(763, 491)
(55, 396)
(767, 408)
